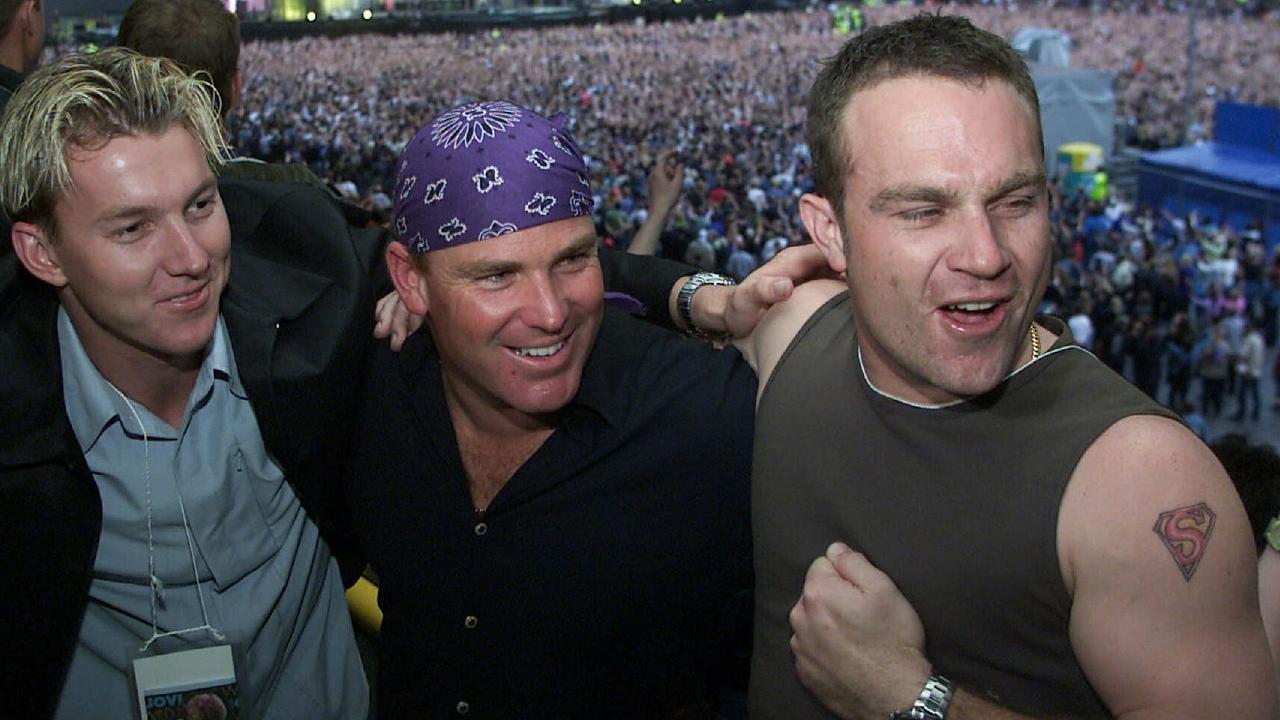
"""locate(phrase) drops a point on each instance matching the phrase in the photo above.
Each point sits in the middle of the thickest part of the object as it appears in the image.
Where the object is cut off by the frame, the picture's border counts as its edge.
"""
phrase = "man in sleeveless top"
(1002, 526)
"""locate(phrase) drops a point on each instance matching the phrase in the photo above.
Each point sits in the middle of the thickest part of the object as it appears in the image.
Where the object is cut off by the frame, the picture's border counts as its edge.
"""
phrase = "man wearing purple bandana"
(556, 498)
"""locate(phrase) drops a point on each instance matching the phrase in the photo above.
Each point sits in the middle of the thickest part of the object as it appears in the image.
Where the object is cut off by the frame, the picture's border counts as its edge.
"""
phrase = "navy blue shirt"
(610, 577)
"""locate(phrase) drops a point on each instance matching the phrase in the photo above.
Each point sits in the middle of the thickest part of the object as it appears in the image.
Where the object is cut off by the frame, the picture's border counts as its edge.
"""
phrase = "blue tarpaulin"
(1233, 180)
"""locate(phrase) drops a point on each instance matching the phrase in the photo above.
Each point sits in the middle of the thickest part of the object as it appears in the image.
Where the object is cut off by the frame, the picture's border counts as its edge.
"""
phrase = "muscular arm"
(1157, 552)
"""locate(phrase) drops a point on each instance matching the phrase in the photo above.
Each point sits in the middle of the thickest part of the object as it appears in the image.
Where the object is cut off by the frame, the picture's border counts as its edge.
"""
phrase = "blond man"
(175, 407)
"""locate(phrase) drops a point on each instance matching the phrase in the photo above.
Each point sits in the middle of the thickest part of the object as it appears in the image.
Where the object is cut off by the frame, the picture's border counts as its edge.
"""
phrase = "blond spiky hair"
(82, 101)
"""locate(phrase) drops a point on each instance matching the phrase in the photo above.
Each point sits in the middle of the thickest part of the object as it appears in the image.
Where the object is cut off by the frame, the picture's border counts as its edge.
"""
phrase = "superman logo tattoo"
(1185, 533)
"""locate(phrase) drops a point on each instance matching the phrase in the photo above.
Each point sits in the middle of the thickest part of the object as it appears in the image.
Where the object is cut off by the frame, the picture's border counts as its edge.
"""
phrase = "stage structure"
(1233, 180)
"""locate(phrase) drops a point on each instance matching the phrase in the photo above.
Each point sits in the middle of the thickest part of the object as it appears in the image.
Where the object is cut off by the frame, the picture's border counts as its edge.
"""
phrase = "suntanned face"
(515, 317)
(142, 249)
(946, 233)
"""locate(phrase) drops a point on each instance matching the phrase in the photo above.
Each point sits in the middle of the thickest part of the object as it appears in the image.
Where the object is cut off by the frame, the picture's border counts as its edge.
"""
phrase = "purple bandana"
(487, 169)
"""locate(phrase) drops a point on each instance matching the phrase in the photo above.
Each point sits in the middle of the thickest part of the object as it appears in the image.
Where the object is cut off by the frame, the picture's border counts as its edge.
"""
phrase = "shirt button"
(462, 707)
(481, 528)
(471, 621)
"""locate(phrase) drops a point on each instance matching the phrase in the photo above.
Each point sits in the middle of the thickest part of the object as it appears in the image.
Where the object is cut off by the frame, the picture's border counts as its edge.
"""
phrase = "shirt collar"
(93, 403)
(10, 79)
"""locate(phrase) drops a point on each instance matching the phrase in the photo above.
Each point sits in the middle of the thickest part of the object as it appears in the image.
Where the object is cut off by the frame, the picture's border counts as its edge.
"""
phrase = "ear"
(820, 220)
(237, 87)
(37, 254)
(23, 14)
(409, 281)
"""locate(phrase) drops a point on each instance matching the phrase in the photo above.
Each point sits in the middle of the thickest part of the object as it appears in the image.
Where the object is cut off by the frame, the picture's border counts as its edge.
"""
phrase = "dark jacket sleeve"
(644, 277)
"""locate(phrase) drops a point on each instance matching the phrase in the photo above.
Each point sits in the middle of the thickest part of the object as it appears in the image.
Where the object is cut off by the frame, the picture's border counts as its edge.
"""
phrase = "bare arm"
(776, 329)
(738, 309)
(1157, 551)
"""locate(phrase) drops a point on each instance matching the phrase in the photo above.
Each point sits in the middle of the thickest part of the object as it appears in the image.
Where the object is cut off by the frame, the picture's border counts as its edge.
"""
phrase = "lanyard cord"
(157, 586)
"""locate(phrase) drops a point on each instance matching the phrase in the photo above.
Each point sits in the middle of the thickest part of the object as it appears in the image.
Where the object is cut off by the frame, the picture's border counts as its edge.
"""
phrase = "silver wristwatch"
(932, 703)
(684, 301)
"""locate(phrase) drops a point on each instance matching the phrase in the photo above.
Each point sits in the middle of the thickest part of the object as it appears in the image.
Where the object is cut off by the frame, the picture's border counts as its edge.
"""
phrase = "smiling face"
(515, 317)
(141, 253)
(945, 234)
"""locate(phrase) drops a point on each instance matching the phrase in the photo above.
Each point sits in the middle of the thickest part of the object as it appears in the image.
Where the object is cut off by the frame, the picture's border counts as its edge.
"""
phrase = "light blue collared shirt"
(268, 580)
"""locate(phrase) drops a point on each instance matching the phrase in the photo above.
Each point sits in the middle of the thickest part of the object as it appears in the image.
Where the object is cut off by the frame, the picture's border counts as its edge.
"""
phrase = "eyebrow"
(484, 268)
(1019, 181)
(941, 196)
(136, 211)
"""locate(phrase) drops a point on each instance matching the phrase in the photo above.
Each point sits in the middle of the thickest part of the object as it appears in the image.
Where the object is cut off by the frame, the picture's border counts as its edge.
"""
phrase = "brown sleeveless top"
(959, 505)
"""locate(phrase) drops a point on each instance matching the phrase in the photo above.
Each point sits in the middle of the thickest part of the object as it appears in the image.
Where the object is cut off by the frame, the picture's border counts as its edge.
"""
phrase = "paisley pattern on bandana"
(487, 170)
(580, 203)
(487, 179)
(452, 229)
(539, 204)
(541, 159)
(434, 192)
(418, 244)
(473, 123)
(495, 229)
(407, 185)
(555, 138)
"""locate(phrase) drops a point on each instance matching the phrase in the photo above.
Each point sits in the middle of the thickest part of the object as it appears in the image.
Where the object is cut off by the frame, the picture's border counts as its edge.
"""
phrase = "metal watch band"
(932, 703)
(684, 300)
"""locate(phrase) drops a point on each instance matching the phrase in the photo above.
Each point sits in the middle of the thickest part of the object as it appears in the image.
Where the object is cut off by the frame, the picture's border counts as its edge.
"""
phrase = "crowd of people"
(727, 96)
(1182, 306)
(728, 93)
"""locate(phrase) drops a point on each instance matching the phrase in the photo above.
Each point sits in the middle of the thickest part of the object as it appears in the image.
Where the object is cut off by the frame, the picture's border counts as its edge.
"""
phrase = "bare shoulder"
(779, 326)
(1148, 477)
(1157, 552)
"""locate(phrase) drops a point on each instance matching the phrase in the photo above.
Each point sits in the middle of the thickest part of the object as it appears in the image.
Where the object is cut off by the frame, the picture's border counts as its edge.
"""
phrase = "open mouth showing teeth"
(546, 351)
(976, 307)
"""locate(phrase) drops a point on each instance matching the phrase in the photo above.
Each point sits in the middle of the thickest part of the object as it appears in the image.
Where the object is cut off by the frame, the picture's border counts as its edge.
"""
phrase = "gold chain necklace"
(1035, 342)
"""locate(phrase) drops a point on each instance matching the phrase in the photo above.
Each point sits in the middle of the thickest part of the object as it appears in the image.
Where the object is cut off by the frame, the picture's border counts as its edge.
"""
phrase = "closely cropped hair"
(944, 46)
(82, 102)
(196, 34)
(8, 9)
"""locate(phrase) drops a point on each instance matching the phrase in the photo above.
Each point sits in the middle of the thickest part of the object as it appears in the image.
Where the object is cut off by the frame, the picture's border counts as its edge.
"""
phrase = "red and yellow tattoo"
(1185, 533)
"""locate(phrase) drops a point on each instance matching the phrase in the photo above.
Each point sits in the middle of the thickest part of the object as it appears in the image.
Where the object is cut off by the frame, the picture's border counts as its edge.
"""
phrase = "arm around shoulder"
(1157, 552)
(764, 347)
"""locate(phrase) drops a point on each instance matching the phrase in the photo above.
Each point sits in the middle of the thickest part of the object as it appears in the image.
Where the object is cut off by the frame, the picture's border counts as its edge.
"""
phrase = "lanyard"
(157, 586)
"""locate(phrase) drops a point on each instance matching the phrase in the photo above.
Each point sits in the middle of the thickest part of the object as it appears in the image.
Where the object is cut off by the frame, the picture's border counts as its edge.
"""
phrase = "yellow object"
(1099, 191)
(1078, 162)
(362, 599)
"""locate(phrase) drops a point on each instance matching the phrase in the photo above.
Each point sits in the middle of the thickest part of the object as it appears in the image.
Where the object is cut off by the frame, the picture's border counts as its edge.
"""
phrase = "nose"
(545, 306)
(980, 250)
(184, 255)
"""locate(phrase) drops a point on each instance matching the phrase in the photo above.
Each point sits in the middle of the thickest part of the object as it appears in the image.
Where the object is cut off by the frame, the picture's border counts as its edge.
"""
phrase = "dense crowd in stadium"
(734, 87)
(729, 94)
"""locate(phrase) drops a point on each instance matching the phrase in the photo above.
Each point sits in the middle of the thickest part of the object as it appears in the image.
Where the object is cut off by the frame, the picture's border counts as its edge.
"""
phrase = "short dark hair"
(8, 9)
(945, 46)
(196, 34)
